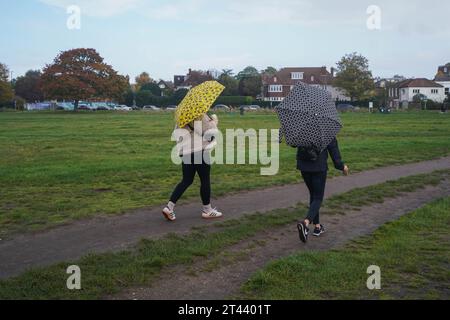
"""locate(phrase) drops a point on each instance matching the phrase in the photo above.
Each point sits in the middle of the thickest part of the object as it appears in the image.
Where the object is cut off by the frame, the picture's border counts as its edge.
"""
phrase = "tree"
(231, 84)
(270, 71)
(179, 95)
(143, 79)
(354, 77)
(250, 86)
(152, 87)
(81, 74)
(6, 91)
(28, 87)
(247, 72)
(227, 72)
(4, 72)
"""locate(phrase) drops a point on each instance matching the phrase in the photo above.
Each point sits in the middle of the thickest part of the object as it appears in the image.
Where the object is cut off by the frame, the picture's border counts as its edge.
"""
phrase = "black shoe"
(318, 231)
(303, 231)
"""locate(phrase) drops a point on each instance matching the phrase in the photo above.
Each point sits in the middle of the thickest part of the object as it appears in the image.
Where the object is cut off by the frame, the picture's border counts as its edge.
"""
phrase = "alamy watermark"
(374, 20)
(74, 20)
(236, 146)
(374, 280)
(74, 280)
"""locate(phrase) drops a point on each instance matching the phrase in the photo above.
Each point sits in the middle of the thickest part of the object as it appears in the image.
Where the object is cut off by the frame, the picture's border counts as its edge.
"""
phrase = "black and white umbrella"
(308, 117)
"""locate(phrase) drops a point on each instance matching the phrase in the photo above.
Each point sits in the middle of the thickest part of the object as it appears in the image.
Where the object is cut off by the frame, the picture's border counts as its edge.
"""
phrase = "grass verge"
(412, 252)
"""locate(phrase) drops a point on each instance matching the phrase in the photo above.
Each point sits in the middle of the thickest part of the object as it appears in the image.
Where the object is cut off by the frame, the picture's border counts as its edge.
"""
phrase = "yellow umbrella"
(197, 102)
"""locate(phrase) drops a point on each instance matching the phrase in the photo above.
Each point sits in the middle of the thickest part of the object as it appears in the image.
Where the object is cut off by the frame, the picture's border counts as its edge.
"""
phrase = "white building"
(431, 90)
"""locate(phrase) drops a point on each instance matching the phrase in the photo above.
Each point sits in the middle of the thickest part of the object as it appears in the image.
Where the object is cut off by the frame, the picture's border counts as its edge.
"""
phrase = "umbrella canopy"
(308, 117)
(197, 102)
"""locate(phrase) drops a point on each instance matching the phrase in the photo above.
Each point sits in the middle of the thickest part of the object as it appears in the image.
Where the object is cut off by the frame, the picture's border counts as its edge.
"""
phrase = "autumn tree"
(354, 77)
(28, 86)
(6, 92)
(143, 79)
(82, 74)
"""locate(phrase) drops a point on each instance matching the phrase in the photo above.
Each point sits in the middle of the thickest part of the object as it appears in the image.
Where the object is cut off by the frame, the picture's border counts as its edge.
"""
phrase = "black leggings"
(189, 169)
(315, 181)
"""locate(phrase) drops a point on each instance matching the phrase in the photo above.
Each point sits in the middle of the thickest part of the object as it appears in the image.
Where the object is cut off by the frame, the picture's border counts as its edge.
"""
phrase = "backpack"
(308, 154)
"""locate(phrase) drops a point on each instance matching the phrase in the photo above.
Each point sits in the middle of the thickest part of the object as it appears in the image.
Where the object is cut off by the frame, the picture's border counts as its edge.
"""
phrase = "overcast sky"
(168, 37)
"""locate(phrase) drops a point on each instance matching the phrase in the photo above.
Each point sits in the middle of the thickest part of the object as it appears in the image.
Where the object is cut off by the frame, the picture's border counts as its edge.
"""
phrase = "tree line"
(82, 74)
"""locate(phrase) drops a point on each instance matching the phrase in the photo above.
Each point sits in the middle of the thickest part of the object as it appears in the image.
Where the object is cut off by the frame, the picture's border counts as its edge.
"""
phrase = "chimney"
(333, 71)
(190, 71)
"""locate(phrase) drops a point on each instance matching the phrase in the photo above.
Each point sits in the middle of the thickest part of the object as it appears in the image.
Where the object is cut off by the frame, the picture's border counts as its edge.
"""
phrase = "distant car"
(151, 108)
(123, 108)
(345, 107)
(172, 108)
(252, 107)
(84, 107)
(221, 107)
(103, 108)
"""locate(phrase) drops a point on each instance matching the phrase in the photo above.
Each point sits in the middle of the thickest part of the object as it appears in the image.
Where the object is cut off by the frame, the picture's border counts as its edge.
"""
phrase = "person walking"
(195, 160)
(314, 170)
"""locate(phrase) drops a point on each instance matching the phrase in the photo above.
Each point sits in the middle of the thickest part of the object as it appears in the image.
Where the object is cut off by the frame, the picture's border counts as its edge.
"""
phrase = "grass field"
(105, 274)
(57, 167)
(412, 253)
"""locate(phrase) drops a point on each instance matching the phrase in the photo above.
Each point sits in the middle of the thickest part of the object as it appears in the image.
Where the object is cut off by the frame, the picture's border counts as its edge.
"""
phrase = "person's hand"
(346, 170)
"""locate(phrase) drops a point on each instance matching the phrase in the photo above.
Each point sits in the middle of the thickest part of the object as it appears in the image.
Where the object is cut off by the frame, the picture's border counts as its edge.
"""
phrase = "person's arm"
(333, 150)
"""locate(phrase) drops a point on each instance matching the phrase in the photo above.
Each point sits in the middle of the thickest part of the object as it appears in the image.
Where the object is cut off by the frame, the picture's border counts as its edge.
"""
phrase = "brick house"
(278, 86)
(192, 79)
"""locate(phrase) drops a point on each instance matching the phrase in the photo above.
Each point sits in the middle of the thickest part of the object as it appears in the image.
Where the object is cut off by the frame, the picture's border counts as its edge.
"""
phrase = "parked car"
(151, 108)
(172, 108)
(252, 107)
(344, 107)
(84, 107)
(221, 107)
(123, 108)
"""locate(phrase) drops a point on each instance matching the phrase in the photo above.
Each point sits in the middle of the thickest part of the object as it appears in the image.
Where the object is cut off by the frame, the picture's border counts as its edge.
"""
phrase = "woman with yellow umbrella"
(195, 134)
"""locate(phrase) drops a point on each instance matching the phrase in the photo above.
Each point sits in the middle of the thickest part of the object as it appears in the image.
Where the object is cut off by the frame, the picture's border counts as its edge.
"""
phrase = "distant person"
(190, 154)
(314, 169)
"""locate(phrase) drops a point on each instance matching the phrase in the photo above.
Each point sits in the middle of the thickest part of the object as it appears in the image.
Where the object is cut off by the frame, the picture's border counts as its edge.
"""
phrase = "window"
(434, 91)
(312, 78)
(275, 88)
(416, 90)
(297, 75)
(447, 90)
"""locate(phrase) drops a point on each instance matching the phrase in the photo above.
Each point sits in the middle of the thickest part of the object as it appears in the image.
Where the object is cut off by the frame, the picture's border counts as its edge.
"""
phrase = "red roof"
(419, 83)
(311, 75)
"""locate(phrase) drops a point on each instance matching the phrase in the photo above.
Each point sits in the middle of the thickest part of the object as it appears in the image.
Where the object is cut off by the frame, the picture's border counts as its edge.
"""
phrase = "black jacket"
(321, 164)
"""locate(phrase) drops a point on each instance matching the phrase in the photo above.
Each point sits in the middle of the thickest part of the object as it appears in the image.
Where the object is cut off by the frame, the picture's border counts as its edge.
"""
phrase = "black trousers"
(190, 168)
(315, 181)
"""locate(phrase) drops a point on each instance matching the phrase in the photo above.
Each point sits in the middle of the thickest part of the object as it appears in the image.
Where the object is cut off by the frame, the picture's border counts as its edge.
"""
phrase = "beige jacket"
(198, 136)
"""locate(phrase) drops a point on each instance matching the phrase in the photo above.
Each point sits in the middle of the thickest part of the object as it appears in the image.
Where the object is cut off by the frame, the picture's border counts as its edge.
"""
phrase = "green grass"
(59, 167)
(104, 274)
(412, 252)
(359, 197)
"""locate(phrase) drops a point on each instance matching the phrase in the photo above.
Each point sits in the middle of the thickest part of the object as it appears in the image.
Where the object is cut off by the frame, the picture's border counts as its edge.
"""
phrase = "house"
(165, 86)
(192, 79)
(443, 78)
(388, 88)
(277, 87)
(406, 90)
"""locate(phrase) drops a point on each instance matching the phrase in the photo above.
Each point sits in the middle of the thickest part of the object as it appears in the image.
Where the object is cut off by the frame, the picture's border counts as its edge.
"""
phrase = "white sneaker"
(169, 214)
(213, 214)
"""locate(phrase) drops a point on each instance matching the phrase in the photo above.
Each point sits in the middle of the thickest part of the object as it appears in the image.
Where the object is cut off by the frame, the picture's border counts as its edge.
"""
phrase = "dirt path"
(103, 234)
(198, 282)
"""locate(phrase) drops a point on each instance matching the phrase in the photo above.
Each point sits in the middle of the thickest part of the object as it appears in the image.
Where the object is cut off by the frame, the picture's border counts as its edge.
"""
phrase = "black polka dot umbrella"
(308, 117)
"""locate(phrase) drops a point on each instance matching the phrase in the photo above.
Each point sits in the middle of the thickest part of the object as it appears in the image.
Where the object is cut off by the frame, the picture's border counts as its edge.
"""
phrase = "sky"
(164, 38)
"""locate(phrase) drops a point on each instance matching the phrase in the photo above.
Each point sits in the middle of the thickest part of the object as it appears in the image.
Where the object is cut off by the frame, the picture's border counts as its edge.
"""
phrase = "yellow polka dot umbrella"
(197, 102)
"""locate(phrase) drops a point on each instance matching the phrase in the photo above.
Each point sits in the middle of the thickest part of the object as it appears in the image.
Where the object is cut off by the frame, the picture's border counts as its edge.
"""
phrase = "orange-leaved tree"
(81, 74)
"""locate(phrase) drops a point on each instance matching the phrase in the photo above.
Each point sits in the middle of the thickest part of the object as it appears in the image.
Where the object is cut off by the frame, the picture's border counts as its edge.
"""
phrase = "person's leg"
(308, 181)
(204, 172)
(318, 182)
(188, 179)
